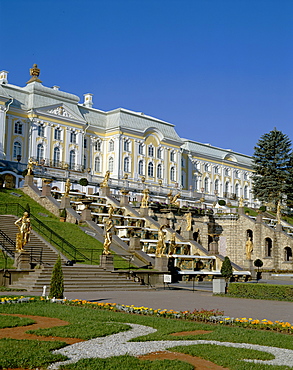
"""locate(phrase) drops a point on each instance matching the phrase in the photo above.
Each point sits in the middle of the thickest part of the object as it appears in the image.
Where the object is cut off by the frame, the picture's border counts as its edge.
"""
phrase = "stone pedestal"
(134, 244)
(241, 211)
(46, 190)
(161, 263)
(124, 200)
(219, 286)
(144, 212)
(187, 234)
(29, 180)
(105, 191)
(65, 202)
(107, 262)
(259, 218)
(86, 215)
(22, 260)
(248, 265)
(279, 227)
(213, 248)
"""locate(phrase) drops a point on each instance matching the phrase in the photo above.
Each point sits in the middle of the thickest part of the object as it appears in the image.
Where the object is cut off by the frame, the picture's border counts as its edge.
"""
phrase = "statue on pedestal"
(172, 245)
(67, 188)
(106, 180)
(108, 237)
(173, 199)
(145, 198)
(30, 166)
(241, 202)
(188, 217)
(249, 248)
(23, 236)
(161, 245)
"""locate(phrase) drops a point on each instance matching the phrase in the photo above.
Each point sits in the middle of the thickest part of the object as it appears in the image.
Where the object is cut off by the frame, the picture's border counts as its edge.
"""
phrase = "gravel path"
(118, 345)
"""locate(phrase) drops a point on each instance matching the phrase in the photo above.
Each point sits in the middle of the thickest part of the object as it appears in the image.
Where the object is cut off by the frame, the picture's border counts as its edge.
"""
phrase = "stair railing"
(63, 245)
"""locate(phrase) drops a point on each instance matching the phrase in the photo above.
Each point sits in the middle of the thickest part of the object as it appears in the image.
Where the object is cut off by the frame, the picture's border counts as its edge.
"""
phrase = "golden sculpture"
(172, 245)
(108, 237)
(23, 236)
(173, 199)
(34, 72)
(111, 210)
(241, 201)
(161, 245)
(188, 217)
(248, 248)
(145, 198)
(67, 188)
(30, 166)
(106, 180)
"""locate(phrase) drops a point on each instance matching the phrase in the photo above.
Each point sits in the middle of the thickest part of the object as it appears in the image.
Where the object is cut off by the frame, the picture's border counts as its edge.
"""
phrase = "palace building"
(69, 138)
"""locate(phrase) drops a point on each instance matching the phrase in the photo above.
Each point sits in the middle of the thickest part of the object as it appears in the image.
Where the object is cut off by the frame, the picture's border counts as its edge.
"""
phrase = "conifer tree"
(57, 284)
(226, 269)
(272, 165)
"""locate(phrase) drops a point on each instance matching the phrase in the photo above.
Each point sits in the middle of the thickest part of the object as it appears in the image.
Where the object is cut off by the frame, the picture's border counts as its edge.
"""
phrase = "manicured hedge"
(261, 291)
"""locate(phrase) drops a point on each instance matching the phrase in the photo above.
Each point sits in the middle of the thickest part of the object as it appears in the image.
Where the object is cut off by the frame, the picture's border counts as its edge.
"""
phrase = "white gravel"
(118, 345)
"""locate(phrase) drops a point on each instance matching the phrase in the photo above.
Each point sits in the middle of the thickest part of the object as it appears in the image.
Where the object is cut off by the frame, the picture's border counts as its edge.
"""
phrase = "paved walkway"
(181, 300)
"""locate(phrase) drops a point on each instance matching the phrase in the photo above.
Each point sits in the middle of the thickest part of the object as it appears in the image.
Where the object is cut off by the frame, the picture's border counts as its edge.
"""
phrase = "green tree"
(226, 269)
(57, 284)
(272, 164)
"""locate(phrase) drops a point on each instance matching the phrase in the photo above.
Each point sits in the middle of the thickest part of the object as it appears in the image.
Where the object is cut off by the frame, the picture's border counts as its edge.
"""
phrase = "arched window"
(16, 149)
(226, 172)
(72, 157)
(126, 164)
(245, 192)
(227, 185)
(159, 171)
(111, 164)
(249, 234)
(140, 148)
(237, 190)
(287, 254)
(140, 167)
(206, 185)
(206, 168)
(268, 247)
(150, 169)
(172, 173)
(217, 185)
(40, 152)
(216, 169)
(56, 157)
(97, 164)
(111, 146)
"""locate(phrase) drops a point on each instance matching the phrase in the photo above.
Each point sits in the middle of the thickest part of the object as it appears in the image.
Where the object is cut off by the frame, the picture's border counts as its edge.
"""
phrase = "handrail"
(9, 241)
(62, 244)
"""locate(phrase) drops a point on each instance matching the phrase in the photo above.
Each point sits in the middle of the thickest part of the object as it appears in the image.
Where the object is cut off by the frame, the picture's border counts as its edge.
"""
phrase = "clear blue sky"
(220, 70)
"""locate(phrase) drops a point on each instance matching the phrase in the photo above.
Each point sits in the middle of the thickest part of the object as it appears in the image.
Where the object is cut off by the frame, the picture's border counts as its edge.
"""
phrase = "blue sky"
(221, 71)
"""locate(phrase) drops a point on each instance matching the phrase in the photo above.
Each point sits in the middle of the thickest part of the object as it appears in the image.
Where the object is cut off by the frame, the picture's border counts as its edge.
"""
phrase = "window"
(245, 191)
(126, 164)
(140, 148)
(159, 171)
(16, 150)
(195, 182)
(160, 153)
(56, 157)
(216, 168)
(217, 185)
(72, 157)
(172, 173)
(151, 151)
(288, 254)
(237, 175)
(237, 190)
(57, 134)
(268, 247)
(85, 143)
(41, 130)
(40, 152)
(126, 146)
(227, 185)
(150, 169)
(73, 137)
(111, 164)
(245, 176)
(111, 146)
(140, 168)
(98, 146)
(84, 162)
(97, 164)
(227, 172)
(182, 162)
(206, 168)
(206, 185)
(172, 156)
(18, 128)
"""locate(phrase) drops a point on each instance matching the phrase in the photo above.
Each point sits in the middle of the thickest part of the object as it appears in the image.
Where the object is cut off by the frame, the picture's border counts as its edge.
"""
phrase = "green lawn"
(87, 323)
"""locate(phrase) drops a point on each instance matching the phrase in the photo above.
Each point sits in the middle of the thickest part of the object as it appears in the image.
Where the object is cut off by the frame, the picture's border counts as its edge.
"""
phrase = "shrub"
(222, 202)
(57, 284)
(83, 181)
(262, 208)
(63, 213)
(261, 291)
(226, 269)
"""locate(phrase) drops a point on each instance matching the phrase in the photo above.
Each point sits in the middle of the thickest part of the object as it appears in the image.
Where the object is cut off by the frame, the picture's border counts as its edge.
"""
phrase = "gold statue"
(145, 198)
(106, 180)
(111, 210)
(241, 201)
(23, 236)
(172, 245)
(30, 166)
(249, 248)
(161, 245)
(173, 199)
(188, 217)
(67, 188)
(108, 237)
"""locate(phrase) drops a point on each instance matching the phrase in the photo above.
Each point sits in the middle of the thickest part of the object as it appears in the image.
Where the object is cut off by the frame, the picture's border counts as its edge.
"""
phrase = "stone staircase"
(77, 278)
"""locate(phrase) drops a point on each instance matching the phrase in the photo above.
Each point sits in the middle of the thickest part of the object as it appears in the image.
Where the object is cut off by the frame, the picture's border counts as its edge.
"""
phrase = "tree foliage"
(83, 181)
(57, 283)
(226, 269)
(272, 165)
